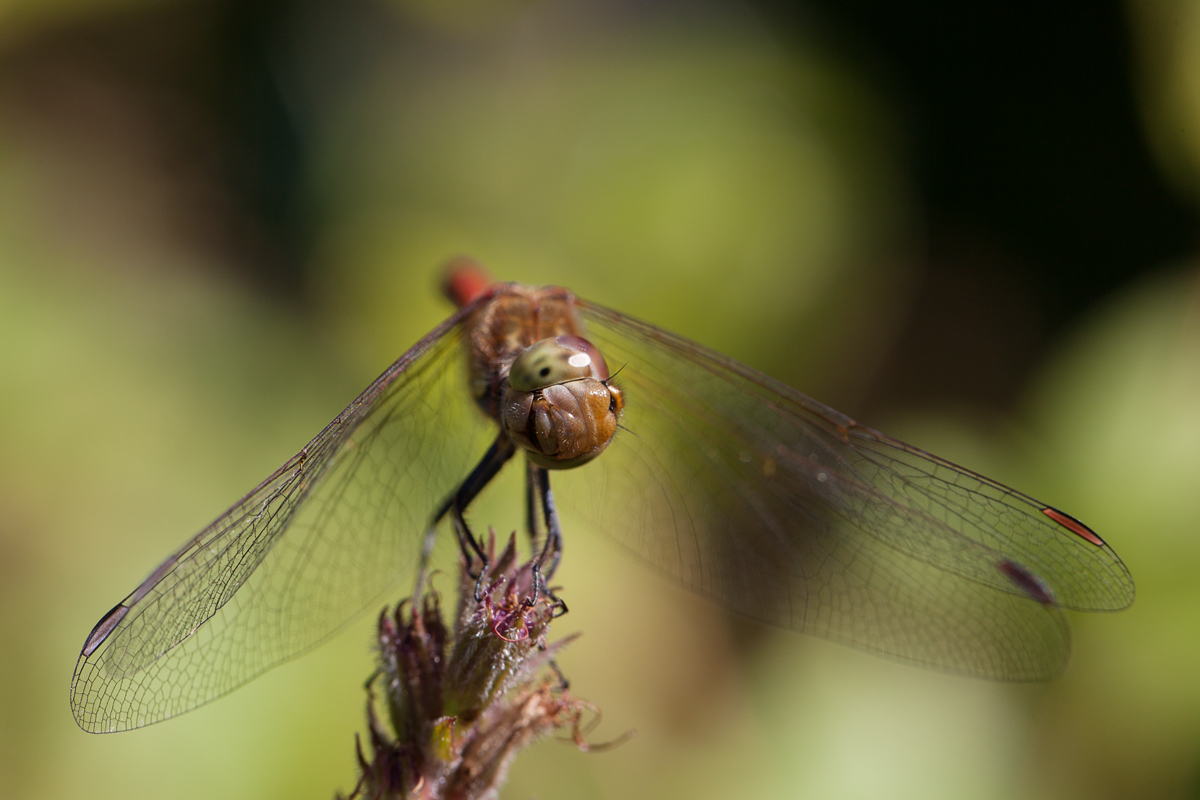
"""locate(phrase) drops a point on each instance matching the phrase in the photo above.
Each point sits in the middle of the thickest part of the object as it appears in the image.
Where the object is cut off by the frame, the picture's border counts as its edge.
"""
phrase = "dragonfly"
(721, 478)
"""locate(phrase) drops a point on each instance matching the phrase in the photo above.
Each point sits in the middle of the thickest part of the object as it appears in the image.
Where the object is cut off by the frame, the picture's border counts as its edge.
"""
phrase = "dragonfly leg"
(531, 501)
(487, 468)
(547, 561)
(495, 458)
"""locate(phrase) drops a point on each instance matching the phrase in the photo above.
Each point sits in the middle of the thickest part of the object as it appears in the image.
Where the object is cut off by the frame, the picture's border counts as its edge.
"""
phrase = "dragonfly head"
(558, 404)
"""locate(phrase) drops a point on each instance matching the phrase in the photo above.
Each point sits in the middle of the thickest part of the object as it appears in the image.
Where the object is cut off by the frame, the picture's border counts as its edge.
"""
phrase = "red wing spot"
(103, 628)
(1026, 582)
(1073, 525)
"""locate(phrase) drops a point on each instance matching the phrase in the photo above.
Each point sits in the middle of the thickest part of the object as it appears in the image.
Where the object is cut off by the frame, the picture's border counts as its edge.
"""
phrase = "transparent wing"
(319, 541)
(785, 510)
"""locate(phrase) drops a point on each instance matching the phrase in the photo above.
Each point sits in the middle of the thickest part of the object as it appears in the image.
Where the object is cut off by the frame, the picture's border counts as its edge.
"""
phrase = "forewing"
(316, 543)
(785, 510)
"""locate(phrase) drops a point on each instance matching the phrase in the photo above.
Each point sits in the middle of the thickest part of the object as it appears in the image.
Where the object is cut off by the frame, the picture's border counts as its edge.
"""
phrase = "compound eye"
(557, 360)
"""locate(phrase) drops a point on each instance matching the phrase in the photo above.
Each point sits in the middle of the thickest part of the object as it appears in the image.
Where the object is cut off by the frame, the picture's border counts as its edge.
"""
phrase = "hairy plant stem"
(461, 705)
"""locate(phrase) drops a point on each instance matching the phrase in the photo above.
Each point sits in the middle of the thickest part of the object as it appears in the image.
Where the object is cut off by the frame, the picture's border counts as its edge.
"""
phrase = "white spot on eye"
(579, 360)
(822, 477)
(744, 457)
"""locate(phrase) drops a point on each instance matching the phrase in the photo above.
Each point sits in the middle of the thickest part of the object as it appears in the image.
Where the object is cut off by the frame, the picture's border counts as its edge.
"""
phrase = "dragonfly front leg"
(488, 467)
(546, 563)
(531, 501)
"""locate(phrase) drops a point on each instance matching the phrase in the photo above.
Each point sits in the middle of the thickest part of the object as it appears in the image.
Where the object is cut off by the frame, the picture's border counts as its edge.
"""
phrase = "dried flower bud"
(458, 721)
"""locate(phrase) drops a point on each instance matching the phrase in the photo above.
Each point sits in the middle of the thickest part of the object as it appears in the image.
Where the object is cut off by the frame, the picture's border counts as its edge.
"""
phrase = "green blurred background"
(971, 225)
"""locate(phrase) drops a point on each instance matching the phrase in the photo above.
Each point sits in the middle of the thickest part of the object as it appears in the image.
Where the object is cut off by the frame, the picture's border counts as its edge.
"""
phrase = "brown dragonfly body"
(563, 415)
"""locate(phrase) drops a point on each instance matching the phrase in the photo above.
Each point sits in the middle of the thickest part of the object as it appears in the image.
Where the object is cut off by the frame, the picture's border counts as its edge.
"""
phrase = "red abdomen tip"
(1073, 525)
(465, 281)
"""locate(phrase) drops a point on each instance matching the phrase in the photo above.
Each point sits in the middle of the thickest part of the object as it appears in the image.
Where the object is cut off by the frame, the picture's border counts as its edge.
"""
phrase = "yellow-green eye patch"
(557, 360)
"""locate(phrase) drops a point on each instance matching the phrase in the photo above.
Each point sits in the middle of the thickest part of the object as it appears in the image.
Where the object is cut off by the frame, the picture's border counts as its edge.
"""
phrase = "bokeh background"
(970, 225)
